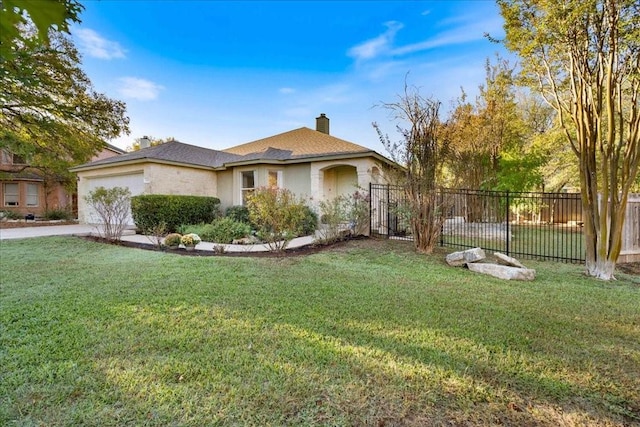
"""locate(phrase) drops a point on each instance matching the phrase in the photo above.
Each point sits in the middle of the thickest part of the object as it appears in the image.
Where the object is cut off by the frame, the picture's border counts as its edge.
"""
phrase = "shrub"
(150, 210)
(221, 230)
(112, 207)
(344, 213)
(190, 239)
(10, 215)
(309, 222)
(238, 213)
(278, 215)
(173, 240)
(57, 214)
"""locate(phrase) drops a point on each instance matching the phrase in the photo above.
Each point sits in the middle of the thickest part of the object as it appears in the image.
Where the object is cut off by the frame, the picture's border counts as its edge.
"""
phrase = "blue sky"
(218, 73)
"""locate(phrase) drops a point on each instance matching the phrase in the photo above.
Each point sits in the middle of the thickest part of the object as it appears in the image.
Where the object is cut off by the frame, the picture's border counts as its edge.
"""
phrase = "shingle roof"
(172, 151)
(302, 142)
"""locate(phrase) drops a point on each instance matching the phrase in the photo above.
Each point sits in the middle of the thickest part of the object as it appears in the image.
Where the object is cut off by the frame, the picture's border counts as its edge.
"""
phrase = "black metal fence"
(525, 225)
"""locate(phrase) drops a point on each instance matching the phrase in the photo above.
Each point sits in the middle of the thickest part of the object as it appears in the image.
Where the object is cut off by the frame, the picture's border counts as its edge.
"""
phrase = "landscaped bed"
(364, 333)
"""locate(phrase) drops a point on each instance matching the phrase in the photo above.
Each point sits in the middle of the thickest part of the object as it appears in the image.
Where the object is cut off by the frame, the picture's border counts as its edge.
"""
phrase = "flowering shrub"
(190, 239)
(173, 239)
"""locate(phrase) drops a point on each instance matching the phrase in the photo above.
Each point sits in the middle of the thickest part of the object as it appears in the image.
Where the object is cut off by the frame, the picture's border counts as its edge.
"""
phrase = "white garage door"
(134, 182)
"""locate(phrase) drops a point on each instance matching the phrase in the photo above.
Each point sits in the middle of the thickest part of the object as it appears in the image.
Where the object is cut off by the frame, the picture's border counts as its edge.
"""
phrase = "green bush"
(278, 214)
(150, 210)
(238, 213)
(173, 239)
(11, 215)
(57, 214)
(309, 222)
(222, 230)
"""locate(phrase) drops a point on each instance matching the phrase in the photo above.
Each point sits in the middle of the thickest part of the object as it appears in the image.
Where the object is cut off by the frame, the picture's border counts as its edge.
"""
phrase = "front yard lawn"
(368, 333)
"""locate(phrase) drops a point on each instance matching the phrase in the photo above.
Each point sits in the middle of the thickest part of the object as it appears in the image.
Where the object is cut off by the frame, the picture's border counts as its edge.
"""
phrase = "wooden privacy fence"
(631, 233)
(528, 225)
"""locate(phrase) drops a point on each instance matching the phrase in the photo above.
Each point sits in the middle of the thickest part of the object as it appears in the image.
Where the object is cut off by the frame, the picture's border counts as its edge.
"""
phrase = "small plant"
(156, 233)
(173, 240)
(57, 214)
(190, 239)
(10, 215)
(219, 249)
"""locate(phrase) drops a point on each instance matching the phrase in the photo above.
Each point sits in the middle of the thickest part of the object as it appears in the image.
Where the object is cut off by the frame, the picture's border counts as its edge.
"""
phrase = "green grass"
(366, 334)
(531, 241)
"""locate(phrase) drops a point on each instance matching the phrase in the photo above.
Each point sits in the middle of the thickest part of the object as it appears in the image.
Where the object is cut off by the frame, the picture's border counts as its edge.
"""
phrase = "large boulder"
(457, 259)
(503, 271)
(507, 260)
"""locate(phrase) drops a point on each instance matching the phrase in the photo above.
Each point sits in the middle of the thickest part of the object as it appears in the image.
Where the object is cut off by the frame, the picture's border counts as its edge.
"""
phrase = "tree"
(152, 141)
(583, 56)
(50, 115)
(422, 153)
(490, 139)
(45, 16)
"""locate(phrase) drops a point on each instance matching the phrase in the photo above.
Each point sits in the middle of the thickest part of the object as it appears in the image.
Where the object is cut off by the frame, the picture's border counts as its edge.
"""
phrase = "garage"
(133, 181)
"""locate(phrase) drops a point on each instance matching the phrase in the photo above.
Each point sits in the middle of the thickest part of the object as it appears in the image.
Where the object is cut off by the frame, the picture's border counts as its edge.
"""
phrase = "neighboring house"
(25, 190)
(310, 163)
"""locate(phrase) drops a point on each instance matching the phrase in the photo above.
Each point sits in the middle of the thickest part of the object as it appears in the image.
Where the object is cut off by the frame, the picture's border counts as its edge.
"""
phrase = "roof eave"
(89, 167)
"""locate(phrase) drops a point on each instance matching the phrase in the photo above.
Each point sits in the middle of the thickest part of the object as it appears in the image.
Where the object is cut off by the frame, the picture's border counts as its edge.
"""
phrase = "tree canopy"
(583, 57)
(50, 114)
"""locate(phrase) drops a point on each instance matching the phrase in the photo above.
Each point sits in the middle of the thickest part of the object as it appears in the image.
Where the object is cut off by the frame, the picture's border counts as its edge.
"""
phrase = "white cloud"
(93, 44)
(378, 45)
(287, 90)
(466, 32)
(140, 89)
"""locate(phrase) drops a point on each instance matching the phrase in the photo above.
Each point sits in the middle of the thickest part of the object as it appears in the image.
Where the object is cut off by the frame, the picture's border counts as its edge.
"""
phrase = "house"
(310, 163)
(25, 190)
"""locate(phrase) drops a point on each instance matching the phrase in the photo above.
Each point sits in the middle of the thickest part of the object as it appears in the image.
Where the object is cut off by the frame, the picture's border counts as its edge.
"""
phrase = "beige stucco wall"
(297, 178)
(170, 179)
(157, 179)
(225, 188)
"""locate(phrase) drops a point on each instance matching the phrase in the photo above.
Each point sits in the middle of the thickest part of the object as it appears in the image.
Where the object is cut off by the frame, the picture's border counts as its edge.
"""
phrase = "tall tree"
(583, 56)
(50, 115)
(422, 153)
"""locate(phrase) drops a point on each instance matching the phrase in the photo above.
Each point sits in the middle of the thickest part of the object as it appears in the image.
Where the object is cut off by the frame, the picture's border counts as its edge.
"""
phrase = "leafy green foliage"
(45, 16)
(57, 214)
(150, 210)
(344, 213)
(238, 213)
(222, 230)
(278, 214)
(112, 207)
(50, 114)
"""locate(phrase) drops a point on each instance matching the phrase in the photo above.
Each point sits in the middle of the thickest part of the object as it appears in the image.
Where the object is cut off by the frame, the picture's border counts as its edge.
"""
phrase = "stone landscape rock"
(507, 260)
(503, 271)
(457, 259)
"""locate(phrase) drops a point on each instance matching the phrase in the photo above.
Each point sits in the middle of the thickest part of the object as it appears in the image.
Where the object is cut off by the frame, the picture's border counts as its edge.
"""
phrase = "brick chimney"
(322, 124)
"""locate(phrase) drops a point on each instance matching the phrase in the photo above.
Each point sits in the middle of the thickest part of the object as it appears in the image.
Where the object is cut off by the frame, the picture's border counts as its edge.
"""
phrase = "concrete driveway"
(48, 230)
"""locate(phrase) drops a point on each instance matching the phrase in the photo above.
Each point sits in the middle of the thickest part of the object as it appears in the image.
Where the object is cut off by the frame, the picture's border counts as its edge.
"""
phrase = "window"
(248, 184)
(33, 198)
(11, 194)
(274, 179)
(18, 160)
(6, 157)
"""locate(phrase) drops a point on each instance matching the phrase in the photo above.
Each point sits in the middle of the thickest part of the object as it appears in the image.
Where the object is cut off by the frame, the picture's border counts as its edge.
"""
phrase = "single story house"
(310, 163)
(26, 190)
